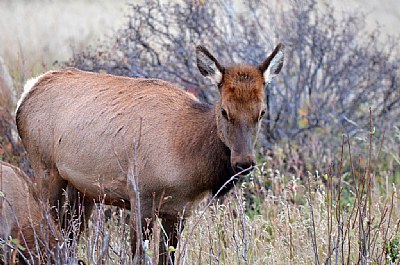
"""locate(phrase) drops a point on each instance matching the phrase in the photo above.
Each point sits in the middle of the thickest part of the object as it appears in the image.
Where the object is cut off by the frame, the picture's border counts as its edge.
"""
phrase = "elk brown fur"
(90, 130)
(23, 219)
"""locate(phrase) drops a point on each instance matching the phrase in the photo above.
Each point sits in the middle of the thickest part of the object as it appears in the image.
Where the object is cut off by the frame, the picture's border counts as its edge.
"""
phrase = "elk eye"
(262, 114)
(224, 113)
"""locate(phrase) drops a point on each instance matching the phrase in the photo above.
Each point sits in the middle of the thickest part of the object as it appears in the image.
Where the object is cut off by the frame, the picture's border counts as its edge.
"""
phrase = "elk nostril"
(239, 168)
(244, 168)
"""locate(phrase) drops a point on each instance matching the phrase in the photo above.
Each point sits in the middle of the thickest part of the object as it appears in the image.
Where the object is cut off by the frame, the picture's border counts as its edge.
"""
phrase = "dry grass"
(286, 231)
(290, 233)
(35, 34)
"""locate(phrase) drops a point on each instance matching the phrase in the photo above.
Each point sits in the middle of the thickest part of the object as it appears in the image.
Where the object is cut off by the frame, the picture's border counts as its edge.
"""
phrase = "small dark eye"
(262, 114)
(224, 113)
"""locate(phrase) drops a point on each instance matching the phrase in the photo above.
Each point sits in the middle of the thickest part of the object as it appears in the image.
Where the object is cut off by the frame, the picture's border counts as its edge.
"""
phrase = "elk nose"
(245, 168)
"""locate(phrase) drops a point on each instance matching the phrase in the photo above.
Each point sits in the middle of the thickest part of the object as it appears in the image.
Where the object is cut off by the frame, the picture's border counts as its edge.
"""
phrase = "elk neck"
(206, 150)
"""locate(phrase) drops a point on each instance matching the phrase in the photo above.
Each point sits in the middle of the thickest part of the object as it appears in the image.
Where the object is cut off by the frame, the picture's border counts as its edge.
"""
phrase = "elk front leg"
(169, 238)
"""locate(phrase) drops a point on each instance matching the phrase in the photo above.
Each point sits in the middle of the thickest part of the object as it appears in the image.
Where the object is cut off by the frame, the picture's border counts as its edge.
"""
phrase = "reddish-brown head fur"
(242, 83)
(241, 105)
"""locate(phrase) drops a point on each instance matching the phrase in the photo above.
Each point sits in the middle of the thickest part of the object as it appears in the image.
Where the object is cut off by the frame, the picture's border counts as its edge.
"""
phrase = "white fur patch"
(27, 88)
(217, 77)
(210, 67)
(269, 74)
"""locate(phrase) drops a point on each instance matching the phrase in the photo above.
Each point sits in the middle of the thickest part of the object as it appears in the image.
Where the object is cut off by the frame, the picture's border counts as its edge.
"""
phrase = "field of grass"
(280, 214)
(35, 34)
(273, 218)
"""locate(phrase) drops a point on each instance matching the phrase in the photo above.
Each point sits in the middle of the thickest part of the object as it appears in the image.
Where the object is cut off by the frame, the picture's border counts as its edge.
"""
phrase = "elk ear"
(273, 64)
(208, 65)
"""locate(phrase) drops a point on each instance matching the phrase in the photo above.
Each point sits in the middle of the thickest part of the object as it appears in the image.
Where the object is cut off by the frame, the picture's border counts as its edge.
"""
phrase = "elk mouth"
(244, 169)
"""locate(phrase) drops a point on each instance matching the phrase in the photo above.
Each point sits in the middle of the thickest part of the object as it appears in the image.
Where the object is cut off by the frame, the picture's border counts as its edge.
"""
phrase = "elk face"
(241, 106)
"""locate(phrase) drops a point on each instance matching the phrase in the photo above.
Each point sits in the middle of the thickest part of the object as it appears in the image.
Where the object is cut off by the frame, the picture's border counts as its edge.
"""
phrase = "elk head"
(241, 106)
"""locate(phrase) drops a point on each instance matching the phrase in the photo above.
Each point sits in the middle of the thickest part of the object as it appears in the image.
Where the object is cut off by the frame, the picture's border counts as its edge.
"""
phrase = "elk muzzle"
(243, 163)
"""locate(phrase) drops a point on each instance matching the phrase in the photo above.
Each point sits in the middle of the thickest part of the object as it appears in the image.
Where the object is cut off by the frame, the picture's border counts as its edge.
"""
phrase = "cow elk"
(95, 132)
(24, 225)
